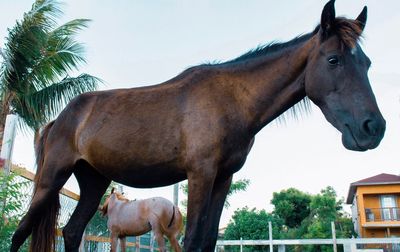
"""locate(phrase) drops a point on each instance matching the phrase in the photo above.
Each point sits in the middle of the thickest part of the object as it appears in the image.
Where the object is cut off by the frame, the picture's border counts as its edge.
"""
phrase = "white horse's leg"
(160, 239)
(123, 244)
(174, 243)
(114, 241)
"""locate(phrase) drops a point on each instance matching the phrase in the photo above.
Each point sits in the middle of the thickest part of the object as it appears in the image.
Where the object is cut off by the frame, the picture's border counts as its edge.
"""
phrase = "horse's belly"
(143, 176)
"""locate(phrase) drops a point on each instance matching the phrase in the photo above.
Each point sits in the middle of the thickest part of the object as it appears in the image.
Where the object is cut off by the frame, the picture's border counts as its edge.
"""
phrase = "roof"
(380, 179)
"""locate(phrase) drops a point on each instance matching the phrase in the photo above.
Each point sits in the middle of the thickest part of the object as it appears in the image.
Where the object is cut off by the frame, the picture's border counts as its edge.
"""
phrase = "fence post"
(281, 248)
(176, 193)
(271, 249)
(137, 243)
(241, 244)
(151, 241)
(8, 141)
(82, 245)
(334, 236)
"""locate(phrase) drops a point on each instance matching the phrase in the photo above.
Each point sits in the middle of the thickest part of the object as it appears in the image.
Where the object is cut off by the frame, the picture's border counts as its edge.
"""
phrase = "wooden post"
(241, 244)
(334, 237)
(271, 249)
(8, 142)
(82, 245)
(176, 192)
(151, 241)
(137, 243)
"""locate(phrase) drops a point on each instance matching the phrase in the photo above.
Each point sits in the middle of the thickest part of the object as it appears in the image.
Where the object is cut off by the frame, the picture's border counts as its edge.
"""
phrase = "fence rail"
(68, 201)
(349, 245)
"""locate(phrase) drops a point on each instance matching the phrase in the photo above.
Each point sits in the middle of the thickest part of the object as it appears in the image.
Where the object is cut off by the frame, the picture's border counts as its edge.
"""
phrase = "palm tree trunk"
(2, 125)
(4, 111)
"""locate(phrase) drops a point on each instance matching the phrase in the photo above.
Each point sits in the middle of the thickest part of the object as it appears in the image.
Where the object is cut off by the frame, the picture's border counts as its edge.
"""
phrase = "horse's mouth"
(350, 142)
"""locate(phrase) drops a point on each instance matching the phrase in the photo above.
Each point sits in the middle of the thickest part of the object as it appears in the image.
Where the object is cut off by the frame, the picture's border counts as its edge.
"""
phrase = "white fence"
(349, 245)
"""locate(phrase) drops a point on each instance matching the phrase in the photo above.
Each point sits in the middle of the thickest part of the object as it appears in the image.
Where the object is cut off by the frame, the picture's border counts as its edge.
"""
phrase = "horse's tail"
(176, 219)
(173, 216)
(44, 229)
(40, 142)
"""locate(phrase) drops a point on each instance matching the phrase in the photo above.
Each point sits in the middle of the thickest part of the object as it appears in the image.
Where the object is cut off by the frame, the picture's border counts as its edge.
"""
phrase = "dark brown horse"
(199, 126)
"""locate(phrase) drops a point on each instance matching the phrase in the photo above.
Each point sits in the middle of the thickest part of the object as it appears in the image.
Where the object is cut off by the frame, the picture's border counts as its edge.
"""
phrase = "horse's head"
(337, 82)
(114, 195)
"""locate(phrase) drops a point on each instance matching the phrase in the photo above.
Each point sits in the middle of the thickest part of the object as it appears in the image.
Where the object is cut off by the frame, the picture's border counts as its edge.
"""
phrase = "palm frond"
(37, 55)
(26, 39)
(44, 14)
(69, 29)
(47, 103)
(59, 58)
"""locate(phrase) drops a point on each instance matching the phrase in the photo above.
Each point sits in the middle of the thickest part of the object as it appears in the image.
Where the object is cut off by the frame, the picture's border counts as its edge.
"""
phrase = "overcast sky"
(134, 43)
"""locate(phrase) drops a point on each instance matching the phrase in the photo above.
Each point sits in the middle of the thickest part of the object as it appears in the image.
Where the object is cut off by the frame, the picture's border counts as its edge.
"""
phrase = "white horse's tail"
(173, 217)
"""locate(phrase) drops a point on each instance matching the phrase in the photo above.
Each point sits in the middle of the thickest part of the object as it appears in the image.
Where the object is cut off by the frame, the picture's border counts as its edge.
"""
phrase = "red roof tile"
(382, 178)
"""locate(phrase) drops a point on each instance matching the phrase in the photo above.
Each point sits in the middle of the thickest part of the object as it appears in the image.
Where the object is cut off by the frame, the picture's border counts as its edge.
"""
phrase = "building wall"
(368, 197)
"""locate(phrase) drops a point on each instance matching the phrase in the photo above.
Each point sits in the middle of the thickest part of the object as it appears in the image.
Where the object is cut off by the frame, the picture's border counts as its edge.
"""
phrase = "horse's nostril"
(370, 127)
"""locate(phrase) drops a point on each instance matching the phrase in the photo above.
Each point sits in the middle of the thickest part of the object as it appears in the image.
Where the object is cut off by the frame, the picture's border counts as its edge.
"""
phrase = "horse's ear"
(362, 18)
(328, 19)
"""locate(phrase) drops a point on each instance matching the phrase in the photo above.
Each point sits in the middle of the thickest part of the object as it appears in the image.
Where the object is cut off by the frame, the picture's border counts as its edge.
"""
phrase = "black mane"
(273, 47)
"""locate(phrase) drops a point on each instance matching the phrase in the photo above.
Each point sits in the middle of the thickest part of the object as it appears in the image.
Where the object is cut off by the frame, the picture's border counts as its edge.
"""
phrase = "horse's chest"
(233, 161)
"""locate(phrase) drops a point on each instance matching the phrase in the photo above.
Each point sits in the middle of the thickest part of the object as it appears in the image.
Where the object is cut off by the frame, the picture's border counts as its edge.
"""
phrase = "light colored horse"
(134, 218)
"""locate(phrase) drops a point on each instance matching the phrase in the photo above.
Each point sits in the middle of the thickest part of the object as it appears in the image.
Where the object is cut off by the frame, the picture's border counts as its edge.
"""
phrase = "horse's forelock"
(348, 30)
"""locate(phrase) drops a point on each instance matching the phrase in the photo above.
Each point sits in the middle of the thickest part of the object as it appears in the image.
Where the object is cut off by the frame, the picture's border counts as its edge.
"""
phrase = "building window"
(389, 207)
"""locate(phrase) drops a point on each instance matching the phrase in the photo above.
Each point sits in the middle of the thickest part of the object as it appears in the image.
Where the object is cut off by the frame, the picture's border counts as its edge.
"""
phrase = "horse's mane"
(104, 208)
(272, 47)
(348, 30)
(121, 197)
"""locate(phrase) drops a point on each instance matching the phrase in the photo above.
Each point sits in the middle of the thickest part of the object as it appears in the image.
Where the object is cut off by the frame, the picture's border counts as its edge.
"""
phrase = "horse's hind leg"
(93, 185)
(158, 235)
(174, 243)
(40, 220)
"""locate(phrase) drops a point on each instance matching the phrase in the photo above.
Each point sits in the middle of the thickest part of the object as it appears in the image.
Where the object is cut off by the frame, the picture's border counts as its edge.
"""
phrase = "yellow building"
(375, 206)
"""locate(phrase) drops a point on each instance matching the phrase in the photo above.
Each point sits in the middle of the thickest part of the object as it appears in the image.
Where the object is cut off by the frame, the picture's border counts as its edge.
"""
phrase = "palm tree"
(37, 57)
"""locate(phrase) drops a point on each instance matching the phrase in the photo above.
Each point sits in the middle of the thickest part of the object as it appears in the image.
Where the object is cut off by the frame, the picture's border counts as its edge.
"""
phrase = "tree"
(324, 208)
(37, 57)
(292, 205)
(252, 225)
(236, 186)
(12, 206)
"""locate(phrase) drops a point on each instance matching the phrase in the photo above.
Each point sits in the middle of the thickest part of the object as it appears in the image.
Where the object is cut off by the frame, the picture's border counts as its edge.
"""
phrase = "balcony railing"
(382, 214)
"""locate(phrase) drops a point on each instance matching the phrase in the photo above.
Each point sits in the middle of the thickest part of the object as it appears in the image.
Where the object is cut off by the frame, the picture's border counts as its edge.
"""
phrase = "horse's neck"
(115, 205)
(269, 85)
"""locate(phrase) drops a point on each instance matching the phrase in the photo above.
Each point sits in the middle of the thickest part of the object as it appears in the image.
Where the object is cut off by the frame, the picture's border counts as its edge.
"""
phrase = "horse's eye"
(333, 60)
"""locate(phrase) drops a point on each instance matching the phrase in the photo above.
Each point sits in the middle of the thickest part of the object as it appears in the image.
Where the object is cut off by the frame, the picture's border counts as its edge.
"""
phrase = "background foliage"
(11, 208)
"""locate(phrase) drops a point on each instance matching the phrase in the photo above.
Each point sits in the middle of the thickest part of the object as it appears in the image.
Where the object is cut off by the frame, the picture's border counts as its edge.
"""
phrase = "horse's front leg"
(217, 202)
(200, 184)
(114, 241)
